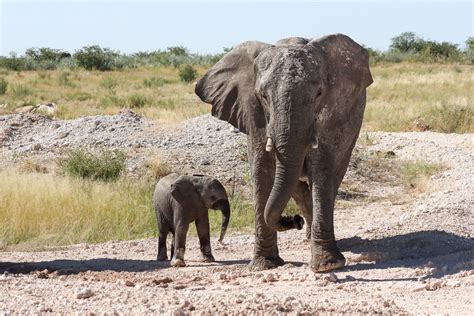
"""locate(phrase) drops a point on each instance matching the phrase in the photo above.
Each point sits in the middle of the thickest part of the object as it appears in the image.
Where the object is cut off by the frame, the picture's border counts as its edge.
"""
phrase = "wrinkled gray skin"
(308, 97)
(180, 200)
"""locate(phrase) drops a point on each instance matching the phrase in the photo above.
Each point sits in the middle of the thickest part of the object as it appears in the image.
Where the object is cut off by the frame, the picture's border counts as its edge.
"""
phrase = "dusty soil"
(406, 253)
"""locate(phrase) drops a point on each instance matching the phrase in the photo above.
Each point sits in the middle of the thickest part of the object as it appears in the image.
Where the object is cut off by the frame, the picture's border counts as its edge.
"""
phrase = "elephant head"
(292, 93)
(203, 192)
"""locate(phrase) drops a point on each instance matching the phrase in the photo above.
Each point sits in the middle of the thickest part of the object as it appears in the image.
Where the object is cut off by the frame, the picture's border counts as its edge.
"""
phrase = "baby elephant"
(180, 200)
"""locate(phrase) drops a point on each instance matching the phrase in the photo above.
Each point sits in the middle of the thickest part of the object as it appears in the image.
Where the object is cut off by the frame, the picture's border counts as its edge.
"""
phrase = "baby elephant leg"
(179, 245)
(203, 230)
(163, 233)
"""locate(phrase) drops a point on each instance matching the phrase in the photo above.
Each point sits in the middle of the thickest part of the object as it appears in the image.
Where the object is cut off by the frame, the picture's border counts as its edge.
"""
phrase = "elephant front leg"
(303, 199)
(203, 230)
(179, 245)
(325, 255)
(265, 254)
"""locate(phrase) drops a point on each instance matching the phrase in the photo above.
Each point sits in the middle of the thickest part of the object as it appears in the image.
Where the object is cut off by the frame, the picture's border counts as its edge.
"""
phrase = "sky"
(209, 26)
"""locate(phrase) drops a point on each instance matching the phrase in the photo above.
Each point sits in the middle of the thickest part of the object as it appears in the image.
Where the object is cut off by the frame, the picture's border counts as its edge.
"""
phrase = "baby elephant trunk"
(224, 207)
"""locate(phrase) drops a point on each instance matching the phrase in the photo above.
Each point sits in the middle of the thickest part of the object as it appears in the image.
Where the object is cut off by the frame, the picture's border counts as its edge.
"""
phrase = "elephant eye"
(319, 92)
(213, 198)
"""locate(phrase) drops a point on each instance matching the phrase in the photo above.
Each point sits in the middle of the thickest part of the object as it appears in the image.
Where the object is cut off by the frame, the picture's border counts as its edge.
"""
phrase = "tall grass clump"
(46, 209)
(64, 79)
(3, 85)
(110, 84)
(137, 101)
(154, 82)
(20, 91)
(104, 166)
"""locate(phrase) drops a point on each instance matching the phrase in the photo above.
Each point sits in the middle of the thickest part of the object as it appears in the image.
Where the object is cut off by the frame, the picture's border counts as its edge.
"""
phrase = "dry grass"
(43, 209)
(404, 96)
(81, 93)
(407, 97)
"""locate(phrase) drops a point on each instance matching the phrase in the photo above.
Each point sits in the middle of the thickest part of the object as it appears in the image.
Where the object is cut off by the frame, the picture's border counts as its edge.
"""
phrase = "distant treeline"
(404, 47)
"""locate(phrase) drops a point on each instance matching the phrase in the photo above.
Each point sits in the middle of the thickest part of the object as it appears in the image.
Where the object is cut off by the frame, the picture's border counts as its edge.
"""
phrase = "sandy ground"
(415, 258)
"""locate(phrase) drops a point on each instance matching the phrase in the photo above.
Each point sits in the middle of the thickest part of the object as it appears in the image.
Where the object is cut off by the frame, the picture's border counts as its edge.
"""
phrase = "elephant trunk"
(287, 173)
(224, 207)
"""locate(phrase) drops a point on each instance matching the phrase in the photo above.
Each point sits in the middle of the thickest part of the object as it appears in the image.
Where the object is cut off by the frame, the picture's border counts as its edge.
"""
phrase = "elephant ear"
(348, 72)
(184, 191)
(229, 86)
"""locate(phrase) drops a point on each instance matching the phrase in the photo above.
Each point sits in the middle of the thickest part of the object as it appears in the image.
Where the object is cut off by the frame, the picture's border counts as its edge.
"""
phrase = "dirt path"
(415, 257)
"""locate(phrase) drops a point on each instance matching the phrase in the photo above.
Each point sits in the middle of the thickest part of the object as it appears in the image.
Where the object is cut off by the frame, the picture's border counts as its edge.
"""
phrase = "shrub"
(104, 166)
(3, 85)
(96, 58)
(187, 73)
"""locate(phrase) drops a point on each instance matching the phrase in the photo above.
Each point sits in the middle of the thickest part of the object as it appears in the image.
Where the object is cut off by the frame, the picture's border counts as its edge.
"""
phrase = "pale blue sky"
(208, 26)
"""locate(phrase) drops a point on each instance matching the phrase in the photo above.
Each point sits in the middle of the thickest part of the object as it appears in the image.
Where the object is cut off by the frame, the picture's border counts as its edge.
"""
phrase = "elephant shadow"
(447, 253)
(70, 266)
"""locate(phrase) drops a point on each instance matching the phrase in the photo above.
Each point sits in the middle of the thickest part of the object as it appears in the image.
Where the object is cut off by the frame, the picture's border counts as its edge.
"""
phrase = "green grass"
(104, 166)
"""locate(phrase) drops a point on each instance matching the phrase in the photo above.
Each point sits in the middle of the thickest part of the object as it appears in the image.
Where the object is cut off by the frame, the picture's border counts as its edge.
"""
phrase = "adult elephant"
(301, 103)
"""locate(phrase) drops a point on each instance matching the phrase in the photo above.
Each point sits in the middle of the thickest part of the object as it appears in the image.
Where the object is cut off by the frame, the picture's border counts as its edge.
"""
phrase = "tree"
(95, 57)
(406, 42)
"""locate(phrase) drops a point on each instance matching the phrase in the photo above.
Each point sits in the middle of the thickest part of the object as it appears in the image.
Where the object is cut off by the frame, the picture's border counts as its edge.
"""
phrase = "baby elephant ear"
(229, 86)
(183, 190)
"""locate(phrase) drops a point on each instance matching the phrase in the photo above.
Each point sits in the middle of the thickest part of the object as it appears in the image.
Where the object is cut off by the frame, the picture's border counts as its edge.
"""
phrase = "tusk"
(314, 143)
(269, 145)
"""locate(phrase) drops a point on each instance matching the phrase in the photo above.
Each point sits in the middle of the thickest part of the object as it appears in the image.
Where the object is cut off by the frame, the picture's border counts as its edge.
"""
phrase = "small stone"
(83, 293)
(43, 274)
(179, 286)
(350, 278)
(270, 278)
(331, 278)
(205, 162)
(126, 283)
(179, 312)
(62, 135)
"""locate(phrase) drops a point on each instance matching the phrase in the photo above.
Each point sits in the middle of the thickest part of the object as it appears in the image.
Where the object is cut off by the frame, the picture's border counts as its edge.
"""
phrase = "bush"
(96, 58)
(104, 166)
(3, 85)
(187, 73)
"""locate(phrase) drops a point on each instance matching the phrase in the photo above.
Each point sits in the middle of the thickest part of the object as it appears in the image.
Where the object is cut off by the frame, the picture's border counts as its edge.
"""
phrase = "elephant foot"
(207, 258)
(177, 263)
(162, 257)
(263, 263)
(325, 261)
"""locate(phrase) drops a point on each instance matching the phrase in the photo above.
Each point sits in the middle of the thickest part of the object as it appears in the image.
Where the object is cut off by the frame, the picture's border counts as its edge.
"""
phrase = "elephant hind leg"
(163, 234)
